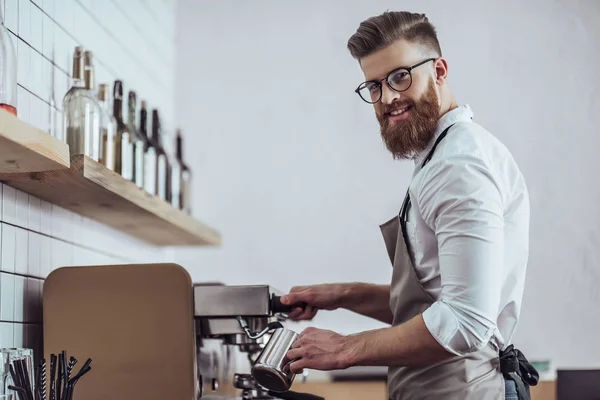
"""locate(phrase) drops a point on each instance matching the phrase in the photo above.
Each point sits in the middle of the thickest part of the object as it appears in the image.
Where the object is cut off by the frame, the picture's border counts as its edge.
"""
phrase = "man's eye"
(399, 77)
(372, 87)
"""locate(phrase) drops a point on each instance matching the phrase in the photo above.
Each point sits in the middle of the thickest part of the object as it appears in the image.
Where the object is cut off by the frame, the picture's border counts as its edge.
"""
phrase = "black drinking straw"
(43, 380)
(52, 376)
(72, 362)
(65, 374)
(39, 377)
(59, 377)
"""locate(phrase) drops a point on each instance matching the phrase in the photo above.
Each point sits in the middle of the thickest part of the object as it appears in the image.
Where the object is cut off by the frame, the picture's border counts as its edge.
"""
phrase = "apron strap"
(406, 202)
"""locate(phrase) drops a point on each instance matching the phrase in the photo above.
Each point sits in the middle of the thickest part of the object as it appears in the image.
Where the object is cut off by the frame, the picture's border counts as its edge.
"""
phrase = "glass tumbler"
(9, 356)
(4, 371)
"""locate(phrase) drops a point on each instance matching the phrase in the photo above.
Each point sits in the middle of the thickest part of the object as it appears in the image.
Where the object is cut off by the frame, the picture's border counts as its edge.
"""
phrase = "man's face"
(407, 119)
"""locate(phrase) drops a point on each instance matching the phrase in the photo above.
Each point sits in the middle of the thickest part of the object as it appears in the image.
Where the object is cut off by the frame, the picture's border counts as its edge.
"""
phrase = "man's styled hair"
(382, 30)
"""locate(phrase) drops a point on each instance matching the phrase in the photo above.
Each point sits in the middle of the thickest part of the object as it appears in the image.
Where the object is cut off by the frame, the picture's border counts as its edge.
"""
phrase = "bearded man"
(459, 245)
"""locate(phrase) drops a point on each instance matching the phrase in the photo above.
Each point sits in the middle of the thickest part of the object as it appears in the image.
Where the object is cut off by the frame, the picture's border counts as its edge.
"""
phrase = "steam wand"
(270, 326)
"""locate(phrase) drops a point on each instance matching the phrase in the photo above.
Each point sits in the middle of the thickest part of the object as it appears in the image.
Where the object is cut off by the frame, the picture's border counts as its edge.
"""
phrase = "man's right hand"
(366, 299)
(316, 297)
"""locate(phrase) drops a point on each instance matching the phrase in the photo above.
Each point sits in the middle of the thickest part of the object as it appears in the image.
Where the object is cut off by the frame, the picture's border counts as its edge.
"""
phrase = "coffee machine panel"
(134, 321)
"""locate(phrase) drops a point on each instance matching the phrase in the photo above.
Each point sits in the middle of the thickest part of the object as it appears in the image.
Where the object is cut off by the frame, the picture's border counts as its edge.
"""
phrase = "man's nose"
(388, 96)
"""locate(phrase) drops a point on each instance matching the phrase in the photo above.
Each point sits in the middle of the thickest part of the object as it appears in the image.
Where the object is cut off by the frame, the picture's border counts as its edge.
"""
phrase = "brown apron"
(474, 376)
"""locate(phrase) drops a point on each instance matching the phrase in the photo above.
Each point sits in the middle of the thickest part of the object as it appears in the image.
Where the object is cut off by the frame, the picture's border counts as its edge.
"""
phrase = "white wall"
(132, 42)
(290, 167)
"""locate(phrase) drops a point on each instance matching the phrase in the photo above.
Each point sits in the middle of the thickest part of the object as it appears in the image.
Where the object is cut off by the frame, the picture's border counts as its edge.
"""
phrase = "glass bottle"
(123, 148)
(150, 165)
(186, 178)
(93, 142)
(8, 70)
(161, 163)
(108, 127)
(81, 112)
(137, 141)
(176, 170)
(167, 145)
(53, 128)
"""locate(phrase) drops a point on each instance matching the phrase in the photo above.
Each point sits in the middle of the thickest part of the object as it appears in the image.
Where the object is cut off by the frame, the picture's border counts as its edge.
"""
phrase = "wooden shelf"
(24, 148)
(90, 189)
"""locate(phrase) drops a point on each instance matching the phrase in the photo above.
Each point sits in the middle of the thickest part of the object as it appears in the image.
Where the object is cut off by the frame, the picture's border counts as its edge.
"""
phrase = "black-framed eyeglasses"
(399, 80)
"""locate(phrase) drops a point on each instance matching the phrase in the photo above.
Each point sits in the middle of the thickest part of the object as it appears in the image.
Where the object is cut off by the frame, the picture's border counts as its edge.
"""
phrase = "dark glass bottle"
(150, 161)
(161, 155)
(175, 176)
(185, 188)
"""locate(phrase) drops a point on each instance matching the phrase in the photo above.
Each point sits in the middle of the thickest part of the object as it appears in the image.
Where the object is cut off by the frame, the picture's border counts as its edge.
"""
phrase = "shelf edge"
(25, 148)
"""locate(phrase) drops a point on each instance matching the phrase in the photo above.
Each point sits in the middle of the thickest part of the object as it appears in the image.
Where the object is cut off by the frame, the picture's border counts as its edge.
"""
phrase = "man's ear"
(441, 71)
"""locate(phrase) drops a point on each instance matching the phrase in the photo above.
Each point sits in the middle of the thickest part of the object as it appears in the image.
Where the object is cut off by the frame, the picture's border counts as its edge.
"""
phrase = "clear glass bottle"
(161, 163)
(185, 201)
(150, 161)
(123, 148)
(108, 128)
(53, 121)
(8, 70)
(81, 112)
(138, 142)
(93, 142)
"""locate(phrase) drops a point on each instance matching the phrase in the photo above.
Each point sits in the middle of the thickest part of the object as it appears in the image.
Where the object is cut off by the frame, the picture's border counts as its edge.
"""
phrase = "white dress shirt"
(468, 232)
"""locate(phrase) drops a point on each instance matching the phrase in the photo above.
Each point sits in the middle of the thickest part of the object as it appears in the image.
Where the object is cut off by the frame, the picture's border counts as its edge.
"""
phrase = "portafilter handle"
(278, 307)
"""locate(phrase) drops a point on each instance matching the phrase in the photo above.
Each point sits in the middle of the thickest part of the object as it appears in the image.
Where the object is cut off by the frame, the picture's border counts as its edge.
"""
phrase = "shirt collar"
(458, 114)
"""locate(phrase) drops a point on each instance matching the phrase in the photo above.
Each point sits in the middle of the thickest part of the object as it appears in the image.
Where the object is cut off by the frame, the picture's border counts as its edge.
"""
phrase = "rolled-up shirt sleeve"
(461, 200)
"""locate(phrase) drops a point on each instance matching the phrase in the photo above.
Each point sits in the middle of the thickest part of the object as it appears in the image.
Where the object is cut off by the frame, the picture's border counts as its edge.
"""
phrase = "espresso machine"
(153, 334)
(247, 320)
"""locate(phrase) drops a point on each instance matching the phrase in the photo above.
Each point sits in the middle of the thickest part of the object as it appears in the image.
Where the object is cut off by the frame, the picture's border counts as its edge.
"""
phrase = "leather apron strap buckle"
(515, 366)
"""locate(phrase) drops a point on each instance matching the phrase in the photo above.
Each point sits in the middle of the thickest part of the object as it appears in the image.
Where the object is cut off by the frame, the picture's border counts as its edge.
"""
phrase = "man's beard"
(405, 139)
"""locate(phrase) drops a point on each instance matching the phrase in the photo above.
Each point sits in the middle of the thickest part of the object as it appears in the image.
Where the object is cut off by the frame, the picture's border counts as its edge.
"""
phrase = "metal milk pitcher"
(272, 368)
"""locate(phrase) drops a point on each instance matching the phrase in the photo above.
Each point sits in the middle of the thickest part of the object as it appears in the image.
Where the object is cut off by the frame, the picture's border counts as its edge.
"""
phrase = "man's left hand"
(321, 350)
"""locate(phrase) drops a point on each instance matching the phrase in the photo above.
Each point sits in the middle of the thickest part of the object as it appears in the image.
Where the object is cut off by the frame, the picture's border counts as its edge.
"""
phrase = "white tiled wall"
(132, 40)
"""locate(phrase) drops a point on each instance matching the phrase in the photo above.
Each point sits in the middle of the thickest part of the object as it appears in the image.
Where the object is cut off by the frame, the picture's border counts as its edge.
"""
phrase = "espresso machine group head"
(237, 314)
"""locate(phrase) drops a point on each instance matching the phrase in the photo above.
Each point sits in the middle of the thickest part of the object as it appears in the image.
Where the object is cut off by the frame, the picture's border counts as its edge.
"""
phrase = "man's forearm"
(408, 344)
(369, 300)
